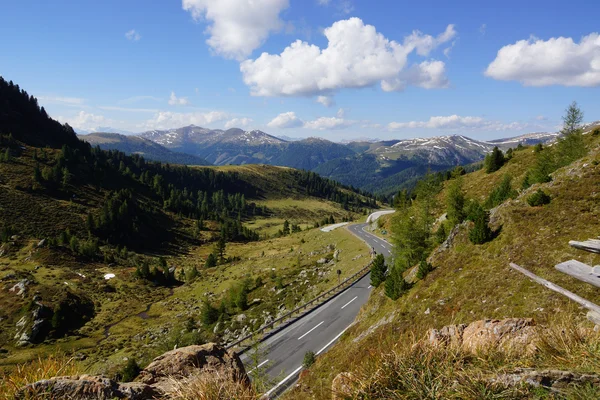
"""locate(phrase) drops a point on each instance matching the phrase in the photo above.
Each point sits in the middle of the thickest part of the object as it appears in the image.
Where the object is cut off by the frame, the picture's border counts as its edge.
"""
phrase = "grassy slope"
(122, 302)
(474, 282)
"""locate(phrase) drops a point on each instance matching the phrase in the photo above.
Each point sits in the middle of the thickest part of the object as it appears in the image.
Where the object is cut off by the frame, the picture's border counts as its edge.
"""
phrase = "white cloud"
(340, 113)
(286, 120)
(67, 101)
(541, 118)
(84, 121)
(323, 2)
(556, 61)
(483, 29)
(458, 122)
(427, 75)
(133, 35)
(237, 27)
(356, 56)
(167, 119)
(328, 123)
(238, 123)
(327, 101)
(178, 101)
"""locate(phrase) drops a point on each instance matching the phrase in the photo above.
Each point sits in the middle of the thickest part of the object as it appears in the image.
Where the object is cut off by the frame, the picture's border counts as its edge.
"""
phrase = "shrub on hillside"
(501, 193)
(538, 198)
(395, 285)
(481, 232)
(130, 371)
(378, 270)
(424, 269)
(309, 359)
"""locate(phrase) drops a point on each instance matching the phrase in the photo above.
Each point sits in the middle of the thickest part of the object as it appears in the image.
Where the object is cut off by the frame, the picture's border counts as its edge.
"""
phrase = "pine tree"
(395, 285)
(455, 202)
(572, 119)
(286, 228)
(211, 261)
(424, 269)
(494, 161)
(481, 232)
(378, 270)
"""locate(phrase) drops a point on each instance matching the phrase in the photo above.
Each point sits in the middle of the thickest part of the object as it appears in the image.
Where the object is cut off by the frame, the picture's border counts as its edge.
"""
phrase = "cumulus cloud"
(84, 121)
(328, 123)
(167, 119)
(133, 35)
(286, 120)
(137, 99)
(327, 101)
(556, 61)
(356, 56)
(237, 27)
(458, 122)
(238, 123)
(178, 101)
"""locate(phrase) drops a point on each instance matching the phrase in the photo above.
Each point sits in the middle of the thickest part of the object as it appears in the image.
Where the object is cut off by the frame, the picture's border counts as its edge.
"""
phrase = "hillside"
(390, 351)
(140, 146)
(108, 257)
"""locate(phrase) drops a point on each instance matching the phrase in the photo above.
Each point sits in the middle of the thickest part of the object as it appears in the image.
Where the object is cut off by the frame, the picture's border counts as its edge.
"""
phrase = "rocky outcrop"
(507, 335)
(186, 361)
(342, 386)
(34, 326)
(86, 387)
(551, 379)
(152, 383)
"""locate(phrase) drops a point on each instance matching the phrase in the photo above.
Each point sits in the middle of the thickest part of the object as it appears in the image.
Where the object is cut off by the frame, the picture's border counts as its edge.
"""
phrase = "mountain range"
(377, 166)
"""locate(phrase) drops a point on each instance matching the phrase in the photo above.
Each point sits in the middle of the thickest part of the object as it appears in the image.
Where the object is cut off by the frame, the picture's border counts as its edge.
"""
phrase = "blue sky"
(338, 69)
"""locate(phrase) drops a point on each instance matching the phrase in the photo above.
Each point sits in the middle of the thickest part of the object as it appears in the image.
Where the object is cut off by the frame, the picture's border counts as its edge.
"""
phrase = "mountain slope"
(388, 349)
(143, 147)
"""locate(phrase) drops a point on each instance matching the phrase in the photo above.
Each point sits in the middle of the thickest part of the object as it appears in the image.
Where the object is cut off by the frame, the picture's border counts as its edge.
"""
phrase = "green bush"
(481, 232)
(395, 285)
(309, 359)
(538, 198)
(424, 269)
(130, 371)
(501, 193)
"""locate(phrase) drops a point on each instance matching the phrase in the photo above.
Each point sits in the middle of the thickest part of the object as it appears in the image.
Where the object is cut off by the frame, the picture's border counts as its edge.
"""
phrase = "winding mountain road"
(279, 358)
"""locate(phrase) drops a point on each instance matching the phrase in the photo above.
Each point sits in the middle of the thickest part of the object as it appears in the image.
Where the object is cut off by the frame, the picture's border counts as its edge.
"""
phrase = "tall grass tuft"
(36, 370)
(210, 385)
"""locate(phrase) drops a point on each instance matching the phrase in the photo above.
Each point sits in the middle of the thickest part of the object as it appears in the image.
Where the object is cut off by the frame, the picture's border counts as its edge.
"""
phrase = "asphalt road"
(279, 358)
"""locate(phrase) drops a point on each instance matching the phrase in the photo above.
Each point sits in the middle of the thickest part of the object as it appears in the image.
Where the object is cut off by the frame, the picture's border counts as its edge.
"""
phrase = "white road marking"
(355, 297)
(258, 366)
(287, 378)
(311, 330)
(369, 287)
(333, 340)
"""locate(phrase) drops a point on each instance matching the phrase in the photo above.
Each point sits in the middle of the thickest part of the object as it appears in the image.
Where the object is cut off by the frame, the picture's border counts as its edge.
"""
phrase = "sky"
(337, 69)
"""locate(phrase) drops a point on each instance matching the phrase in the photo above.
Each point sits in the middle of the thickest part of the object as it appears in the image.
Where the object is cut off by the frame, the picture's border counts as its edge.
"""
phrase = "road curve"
(279, 358)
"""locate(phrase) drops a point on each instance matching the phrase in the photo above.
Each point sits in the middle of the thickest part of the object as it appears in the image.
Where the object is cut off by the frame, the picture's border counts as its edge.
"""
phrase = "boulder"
(518, 335)
(186, 361)
(86, 387)
(511, 334)
(342, 386)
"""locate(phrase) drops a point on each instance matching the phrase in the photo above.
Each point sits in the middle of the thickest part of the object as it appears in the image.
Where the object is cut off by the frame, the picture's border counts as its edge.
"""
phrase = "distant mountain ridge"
(138, 145)
(236, 146)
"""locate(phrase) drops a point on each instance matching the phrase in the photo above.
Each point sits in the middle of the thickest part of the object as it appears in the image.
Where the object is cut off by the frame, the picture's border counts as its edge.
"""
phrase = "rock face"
(152, 383)
(508, 335)
(34, 326)
(342, 386)
(186, 361)
(552, 379)
(86, 388)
